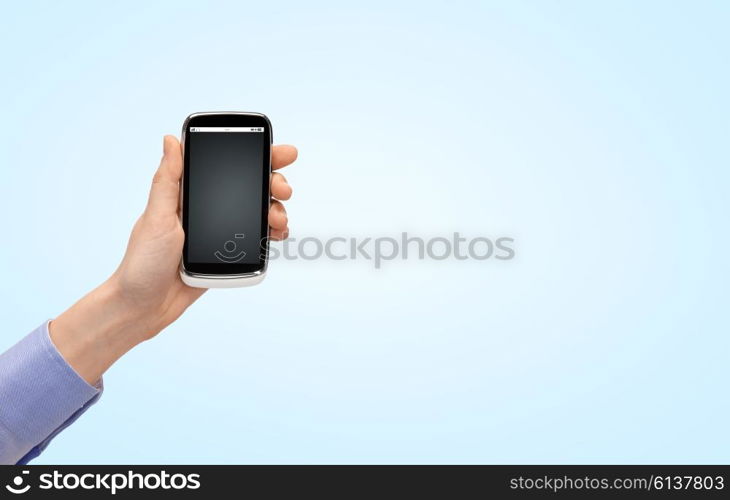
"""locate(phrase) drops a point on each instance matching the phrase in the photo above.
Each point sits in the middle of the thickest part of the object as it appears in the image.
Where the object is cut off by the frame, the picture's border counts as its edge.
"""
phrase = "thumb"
(165, 191)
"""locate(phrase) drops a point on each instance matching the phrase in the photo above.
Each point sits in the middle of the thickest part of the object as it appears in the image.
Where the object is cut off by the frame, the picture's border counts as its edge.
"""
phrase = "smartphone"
(224, 198)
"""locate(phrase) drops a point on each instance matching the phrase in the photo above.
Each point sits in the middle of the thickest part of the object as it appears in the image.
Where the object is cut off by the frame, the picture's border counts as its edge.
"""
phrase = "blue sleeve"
(40, 395)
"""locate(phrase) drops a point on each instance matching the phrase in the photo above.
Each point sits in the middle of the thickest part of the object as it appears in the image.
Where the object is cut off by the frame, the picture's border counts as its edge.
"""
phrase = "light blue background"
(595, 134)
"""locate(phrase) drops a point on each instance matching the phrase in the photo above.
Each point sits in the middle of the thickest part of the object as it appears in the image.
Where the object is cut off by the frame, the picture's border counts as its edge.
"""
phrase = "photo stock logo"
(109, 482)
(229, 254)
(381, 249)
(18, 485)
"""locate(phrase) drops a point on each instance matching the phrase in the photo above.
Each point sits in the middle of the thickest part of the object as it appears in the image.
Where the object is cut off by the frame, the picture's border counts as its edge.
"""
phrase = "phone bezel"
(227, 119)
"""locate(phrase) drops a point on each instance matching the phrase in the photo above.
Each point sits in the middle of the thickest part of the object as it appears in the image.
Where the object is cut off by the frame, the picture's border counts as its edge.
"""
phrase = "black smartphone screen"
(226, 193)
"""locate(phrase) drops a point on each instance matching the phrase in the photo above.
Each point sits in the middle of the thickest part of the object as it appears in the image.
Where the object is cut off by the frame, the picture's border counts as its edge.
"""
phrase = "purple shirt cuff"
(40, 395)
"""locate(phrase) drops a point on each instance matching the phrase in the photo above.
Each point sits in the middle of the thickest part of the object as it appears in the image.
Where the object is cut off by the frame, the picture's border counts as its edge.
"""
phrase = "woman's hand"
(145, 294)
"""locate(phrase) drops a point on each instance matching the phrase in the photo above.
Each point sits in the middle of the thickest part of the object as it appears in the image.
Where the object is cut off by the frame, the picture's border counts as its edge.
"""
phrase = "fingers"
(277, 216)
(165, 191)
(283, 155)
(280, 189)
(279, 234)
(278, 221)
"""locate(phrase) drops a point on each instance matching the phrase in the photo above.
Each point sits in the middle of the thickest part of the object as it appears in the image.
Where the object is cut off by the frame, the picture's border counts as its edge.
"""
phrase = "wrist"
(96, 331)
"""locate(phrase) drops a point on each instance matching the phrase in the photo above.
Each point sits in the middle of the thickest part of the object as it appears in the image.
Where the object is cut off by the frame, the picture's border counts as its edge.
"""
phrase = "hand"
(148, 278)
(145, 294)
